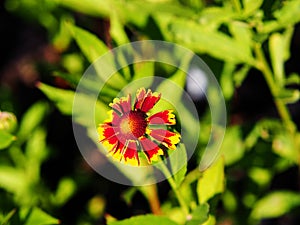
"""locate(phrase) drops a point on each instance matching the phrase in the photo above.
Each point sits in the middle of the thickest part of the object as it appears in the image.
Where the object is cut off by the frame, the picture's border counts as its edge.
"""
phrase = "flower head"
(130, 129)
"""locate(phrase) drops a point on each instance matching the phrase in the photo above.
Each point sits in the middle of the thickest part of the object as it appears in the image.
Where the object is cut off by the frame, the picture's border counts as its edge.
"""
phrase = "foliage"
(237, 39)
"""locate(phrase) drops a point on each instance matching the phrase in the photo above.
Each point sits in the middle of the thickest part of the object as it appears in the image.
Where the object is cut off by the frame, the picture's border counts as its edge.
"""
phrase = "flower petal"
(130, 153)
(167, 138)
(165, 117)
(121, 105)
(146, 101)
(151, 150)
(107, 136)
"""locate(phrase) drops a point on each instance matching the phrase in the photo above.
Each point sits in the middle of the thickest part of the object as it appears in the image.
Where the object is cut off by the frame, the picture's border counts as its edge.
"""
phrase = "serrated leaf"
(35, 216)
(275, 204)
(212, 182)
(199, 215)
(5, 139)
(144, 220)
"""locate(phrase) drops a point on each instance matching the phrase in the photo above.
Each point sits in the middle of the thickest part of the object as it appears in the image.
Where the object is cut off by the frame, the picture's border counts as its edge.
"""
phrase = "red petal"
(130, 153)
(107, 136)
(167, 138)
(122, 105)
(151, 150)
(146, 101)
(165, 117)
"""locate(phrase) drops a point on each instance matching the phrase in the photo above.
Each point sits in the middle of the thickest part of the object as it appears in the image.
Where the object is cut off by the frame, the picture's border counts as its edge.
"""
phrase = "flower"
(130, 129)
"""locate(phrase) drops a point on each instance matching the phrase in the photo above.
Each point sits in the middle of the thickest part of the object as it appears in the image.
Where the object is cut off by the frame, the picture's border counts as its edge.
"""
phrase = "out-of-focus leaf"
(199, 215)
(92, 47)
(289, 96)
(293, 78)
(232, 147)
(66, 188)
(287, 36)
(11, 179)
(73, 63)
(283, 145)
(260, 175)
(276, 47)
(211, 220)
(63, 99)
(6, 219)
(5, 139)
(229, 201)
(289, 14)
(251, 6)
(240, 75)
(32, 119)
(117, 30)
(178, 161)
(243, 35)
(275, 204)
(144, 220)
(35, 216)
(215, 43)
(226, 80)
(212, 181)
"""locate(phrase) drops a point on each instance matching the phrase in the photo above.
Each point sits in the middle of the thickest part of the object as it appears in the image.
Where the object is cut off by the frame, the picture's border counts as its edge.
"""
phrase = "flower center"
(133, 124)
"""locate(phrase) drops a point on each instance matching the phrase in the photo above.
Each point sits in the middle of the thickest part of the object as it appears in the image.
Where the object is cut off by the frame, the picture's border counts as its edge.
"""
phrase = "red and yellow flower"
(130, 129)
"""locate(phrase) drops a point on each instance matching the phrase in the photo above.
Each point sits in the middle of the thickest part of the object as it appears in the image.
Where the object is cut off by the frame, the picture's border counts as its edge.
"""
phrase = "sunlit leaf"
(212, 181)
(275, 204)
(11, 179)
(144, 220)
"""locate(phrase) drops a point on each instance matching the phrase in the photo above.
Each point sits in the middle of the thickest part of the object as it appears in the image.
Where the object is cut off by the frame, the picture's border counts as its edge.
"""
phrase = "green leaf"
(212, 182)
(232, 147)
(276, 47)
(11, 179)
(215, 43)
(226, 80)
(5, 139)
(286, 16)
(6, 219)
(144, 220)
(63, 99)
(251, 6)
(93, 48)
(35, 216)
(32, 119)
(178, 161)
(199, 215)
(275, 204)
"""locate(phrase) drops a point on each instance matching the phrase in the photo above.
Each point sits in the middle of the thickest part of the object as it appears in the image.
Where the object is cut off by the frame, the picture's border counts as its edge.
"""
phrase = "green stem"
(263, 66)
(173, 185)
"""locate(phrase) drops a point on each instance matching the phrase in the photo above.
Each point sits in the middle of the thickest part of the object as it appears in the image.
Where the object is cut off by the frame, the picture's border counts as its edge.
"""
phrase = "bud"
(8, 121)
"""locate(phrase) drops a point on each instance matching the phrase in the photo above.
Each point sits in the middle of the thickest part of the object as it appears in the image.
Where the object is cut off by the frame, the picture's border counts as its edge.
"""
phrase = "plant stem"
(263, 66)
(173, 185)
